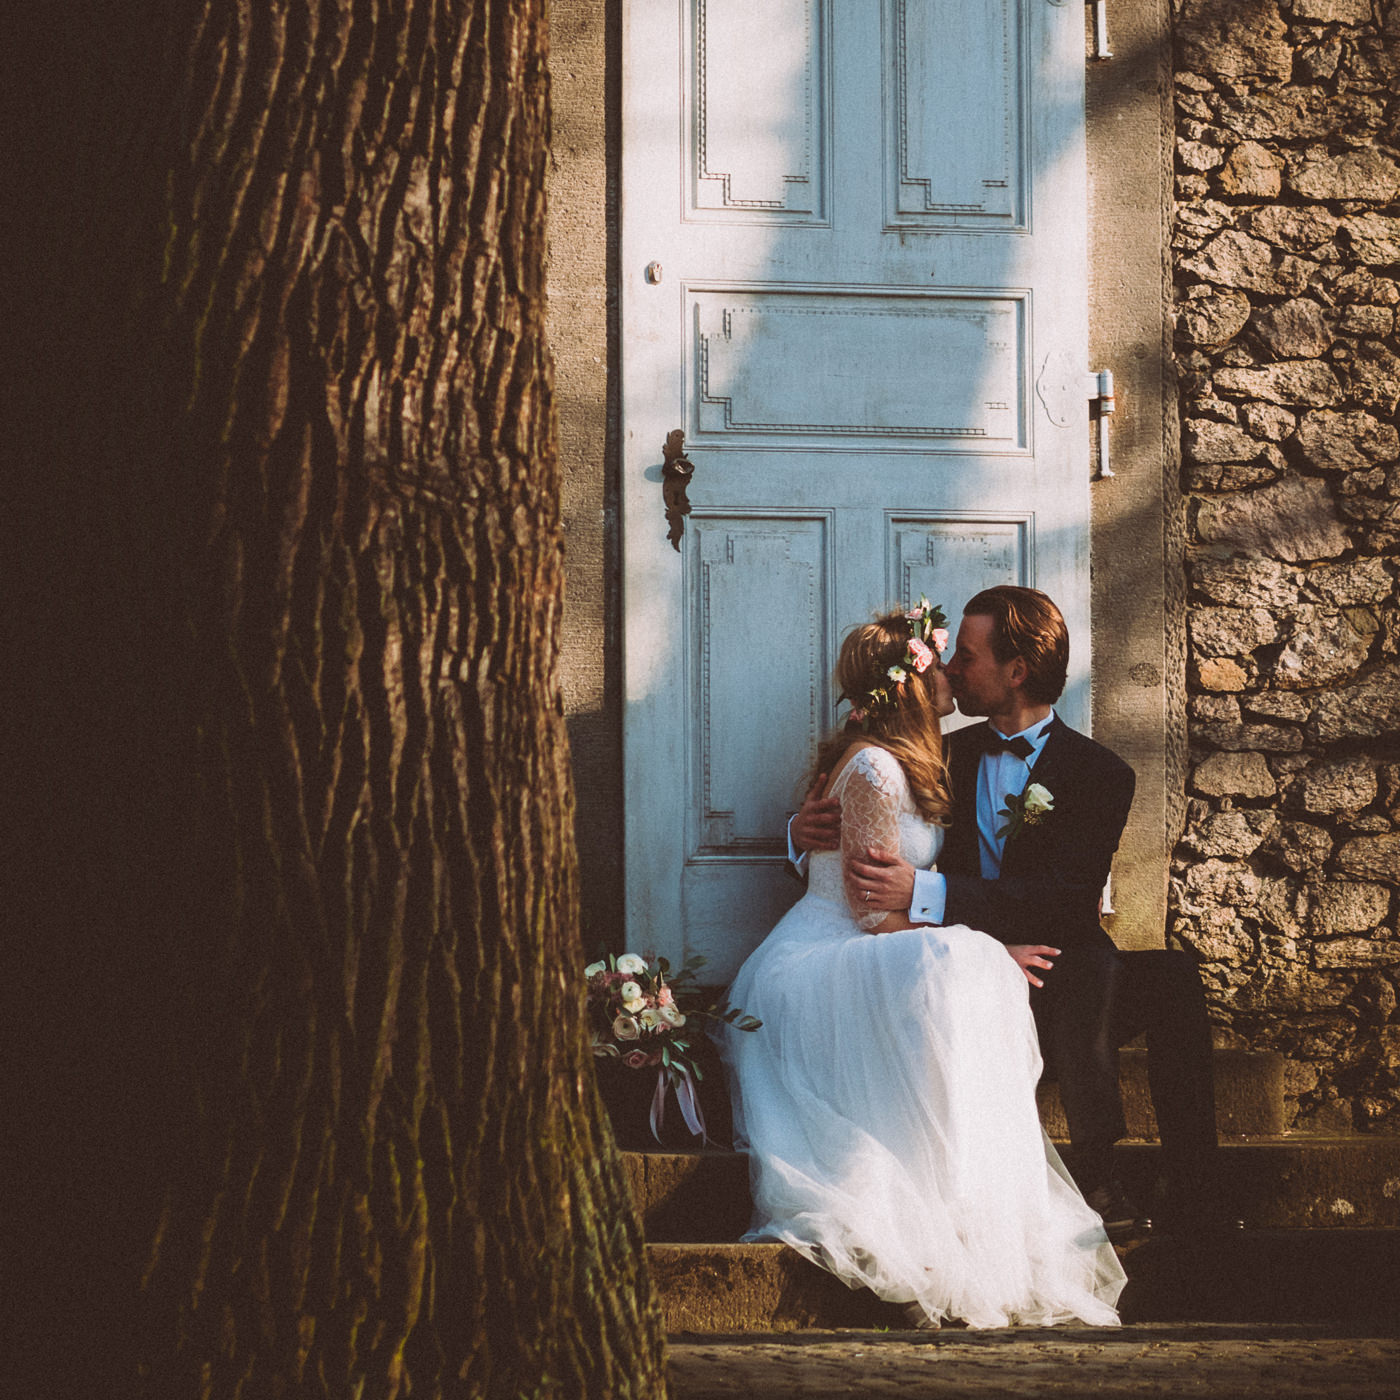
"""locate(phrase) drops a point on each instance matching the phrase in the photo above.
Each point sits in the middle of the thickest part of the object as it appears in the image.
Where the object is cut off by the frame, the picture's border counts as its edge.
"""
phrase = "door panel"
(956, 143)
(757, 647)
(853, 274)
(757, 111)
(884, 369)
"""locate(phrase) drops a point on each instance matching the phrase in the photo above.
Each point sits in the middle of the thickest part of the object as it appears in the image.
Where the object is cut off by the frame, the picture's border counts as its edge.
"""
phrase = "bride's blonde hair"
(904, 721)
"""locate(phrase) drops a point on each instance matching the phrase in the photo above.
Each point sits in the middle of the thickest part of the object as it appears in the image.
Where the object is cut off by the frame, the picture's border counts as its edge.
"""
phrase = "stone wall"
(1287, 258)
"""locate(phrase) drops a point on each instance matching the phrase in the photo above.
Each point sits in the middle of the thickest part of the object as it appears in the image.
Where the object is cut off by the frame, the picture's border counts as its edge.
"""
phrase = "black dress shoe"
(1192, 1208)
(1195, 1220)
(1123, 1222)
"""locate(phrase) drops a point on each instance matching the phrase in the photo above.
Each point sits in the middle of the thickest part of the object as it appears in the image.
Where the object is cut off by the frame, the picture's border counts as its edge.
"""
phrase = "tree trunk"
(330, 962)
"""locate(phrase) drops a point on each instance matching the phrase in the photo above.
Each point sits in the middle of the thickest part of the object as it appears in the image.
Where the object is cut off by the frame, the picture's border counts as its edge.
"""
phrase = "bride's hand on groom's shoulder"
(817, 825)
(1031, 955)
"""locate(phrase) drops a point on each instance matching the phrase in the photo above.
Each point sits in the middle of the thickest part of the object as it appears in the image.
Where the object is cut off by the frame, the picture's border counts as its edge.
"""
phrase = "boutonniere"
(1029, 809)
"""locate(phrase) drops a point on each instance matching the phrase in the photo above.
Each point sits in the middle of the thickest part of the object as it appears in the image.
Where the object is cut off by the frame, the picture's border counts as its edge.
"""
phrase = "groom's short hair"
(1027, 624)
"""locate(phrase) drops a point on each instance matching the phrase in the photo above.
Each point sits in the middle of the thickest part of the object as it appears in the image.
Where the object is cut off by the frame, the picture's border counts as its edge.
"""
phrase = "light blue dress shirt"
(997, 775)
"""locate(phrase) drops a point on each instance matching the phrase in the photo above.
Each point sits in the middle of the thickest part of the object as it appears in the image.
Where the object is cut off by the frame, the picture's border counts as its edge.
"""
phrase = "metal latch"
(675, 477)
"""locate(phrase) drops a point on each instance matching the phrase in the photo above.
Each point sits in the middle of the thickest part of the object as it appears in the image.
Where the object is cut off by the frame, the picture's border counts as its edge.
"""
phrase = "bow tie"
(1020, 745)
(994, 743)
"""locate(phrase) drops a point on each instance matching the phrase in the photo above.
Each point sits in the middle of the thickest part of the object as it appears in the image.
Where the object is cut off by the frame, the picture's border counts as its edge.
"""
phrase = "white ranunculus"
(1038, 799)
(626, 1028)
(630, 991)
(671, 1015)
(650, 1018)
(594, 968)
(630, 965)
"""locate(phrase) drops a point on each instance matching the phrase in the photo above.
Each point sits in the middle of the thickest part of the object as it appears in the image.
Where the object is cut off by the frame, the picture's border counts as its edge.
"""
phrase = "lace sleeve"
(872, 794)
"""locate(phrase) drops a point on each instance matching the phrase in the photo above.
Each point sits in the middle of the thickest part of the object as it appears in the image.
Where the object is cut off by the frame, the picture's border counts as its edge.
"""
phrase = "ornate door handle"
(676, 472)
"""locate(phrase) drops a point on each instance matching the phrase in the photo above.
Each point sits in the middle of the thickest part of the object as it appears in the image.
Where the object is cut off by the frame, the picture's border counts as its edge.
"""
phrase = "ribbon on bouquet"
(685, 1097)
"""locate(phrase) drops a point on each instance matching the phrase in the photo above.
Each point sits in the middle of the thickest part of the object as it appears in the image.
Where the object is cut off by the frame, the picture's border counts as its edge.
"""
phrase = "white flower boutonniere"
(1029, 809)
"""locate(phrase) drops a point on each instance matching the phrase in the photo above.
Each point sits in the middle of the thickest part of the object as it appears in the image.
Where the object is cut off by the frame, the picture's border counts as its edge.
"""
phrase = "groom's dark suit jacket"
(1052, 873)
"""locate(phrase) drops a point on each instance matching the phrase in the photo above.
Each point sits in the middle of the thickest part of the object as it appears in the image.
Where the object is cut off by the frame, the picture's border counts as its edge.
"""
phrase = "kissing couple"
(947, 949)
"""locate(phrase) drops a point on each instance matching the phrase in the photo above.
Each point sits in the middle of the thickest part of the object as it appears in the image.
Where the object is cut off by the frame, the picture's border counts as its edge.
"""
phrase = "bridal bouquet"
(640, 1014)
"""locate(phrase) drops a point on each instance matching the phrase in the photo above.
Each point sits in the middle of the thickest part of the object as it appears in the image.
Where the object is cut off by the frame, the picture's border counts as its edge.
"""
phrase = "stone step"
(1248, 1276)
(1248, 1095)
(754, 1288)
(1248, 1099)
(1281, 1182)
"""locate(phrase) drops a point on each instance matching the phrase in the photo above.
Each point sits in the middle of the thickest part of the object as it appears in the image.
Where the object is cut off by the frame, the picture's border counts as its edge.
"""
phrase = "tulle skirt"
(888, 1108)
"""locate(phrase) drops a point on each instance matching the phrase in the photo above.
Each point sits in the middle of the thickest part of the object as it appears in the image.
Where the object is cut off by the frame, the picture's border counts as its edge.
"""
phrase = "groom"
(1038, 811)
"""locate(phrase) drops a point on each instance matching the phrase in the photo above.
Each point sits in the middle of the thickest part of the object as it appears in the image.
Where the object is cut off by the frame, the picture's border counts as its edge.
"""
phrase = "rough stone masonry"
(1287, 270)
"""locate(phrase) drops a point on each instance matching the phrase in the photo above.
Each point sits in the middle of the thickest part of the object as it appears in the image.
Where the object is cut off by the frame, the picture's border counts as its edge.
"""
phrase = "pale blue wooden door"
(853, 272)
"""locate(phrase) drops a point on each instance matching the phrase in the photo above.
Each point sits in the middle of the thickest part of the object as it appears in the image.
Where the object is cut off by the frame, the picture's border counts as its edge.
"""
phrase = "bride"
(888, 1103)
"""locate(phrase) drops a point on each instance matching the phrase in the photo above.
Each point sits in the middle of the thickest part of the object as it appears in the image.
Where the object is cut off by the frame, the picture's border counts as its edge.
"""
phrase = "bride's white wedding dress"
(888, 1101)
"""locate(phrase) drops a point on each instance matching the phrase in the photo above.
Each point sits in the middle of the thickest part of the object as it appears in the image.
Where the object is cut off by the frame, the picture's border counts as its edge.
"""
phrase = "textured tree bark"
(314, 446)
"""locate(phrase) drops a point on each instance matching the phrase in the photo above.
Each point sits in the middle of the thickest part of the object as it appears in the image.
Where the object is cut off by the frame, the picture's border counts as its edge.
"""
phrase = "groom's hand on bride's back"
(881, 881)
(817, 825)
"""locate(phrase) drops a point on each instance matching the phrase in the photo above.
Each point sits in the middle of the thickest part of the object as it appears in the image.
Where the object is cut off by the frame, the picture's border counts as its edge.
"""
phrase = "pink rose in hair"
(940, 639)
(923, 657)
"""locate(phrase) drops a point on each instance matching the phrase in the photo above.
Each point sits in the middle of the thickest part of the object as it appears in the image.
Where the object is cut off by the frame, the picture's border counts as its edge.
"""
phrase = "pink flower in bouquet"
(636, 1059)
(665, 997)
(940, 639)
(922, 656)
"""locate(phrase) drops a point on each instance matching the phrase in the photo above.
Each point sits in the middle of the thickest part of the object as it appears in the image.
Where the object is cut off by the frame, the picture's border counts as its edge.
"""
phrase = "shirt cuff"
(797, 858)
(930, 897)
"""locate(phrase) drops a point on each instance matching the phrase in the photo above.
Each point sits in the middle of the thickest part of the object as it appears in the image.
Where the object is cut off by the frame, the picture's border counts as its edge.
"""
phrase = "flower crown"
(928, 633)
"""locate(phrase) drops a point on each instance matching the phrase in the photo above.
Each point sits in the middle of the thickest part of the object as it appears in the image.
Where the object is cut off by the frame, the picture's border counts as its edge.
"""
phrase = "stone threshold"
(1274, 1276)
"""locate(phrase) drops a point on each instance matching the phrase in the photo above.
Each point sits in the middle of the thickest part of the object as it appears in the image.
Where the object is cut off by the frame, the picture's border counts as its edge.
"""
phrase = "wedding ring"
(867, 896)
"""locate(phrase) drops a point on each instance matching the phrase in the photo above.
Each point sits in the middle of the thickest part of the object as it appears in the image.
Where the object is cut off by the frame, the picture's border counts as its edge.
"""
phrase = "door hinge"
(1101, 49)
(1100, 386)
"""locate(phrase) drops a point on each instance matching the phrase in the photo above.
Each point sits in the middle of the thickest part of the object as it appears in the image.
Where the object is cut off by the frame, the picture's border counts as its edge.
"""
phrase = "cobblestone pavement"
(1221, 1360)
